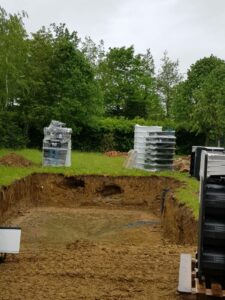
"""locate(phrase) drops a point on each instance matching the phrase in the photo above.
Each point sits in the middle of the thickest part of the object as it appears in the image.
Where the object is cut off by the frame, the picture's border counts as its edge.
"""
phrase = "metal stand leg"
(2, 257)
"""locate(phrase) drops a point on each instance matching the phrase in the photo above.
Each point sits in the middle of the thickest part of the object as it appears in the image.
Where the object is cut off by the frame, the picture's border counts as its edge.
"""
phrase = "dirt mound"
(15, 160)
(115, 153)
(182, 164)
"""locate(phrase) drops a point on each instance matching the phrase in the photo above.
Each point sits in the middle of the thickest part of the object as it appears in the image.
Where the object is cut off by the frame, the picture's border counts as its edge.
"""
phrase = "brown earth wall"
(150, 193)
(179, 224)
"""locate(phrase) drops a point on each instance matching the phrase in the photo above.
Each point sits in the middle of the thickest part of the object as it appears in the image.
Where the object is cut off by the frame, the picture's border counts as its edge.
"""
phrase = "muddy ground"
(88, 238)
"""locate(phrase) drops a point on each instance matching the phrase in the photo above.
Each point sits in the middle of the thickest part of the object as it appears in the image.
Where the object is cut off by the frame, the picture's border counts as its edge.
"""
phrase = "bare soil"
(15, 160)
(94, 237)
(182, 164)
(115, 153)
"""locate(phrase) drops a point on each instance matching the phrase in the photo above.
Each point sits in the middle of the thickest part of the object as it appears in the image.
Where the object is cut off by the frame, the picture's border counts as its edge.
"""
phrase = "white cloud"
(188, 29)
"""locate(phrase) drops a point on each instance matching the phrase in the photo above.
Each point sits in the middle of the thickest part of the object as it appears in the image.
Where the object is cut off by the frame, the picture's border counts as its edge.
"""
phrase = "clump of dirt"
(115, 153)
(80, 244)
(182, 164)
(14, 160)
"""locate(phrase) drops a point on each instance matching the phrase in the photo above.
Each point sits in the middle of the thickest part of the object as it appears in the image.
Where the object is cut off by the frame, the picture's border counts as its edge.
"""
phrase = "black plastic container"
(192, 163)
(211, 239)
(196, 158)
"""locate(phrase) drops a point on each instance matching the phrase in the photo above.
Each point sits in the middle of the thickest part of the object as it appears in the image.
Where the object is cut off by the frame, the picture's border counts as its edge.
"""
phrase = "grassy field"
(99, 164)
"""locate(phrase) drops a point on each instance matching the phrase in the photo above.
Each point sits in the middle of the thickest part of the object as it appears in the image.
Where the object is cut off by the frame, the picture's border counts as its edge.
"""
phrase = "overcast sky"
(187, 29)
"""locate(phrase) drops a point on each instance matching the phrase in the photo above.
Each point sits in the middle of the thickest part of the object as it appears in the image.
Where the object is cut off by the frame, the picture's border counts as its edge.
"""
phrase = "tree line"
(101, 94)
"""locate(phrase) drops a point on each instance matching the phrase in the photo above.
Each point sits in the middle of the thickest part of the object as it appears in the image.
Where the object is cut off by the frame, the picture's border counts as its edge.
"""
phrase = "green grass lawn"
(96, 163)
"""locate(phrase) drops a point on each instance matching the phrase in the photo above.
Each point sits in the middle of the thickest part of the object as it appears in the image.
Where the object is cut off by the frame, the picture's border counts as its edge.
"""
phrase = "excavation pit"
(77, 245)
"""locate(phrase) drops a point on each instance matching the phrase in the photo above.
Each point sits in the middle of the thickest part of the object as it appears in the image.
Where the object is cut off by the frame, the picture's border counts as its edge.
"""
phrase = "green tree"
(209, 111)
(185, 101)
(168, 77)
(75, 89)
(13, 56)
(35, 105)
(13, 81)
(128, 83)
(94, 53)
(62, 82)
(199, 71)
(181, 107)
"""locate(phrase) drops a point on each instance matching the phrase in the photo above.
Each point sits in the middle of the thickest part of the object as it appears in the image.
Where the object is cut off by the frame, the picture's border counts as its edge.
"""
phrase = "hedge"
(118, 134)
(102, 135)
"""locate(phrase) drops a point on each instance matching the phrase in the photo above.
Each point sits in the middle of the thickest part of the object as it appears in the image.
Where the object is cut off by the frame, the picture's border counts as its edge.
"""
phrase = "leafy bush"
(118, 134)
(108, 142)
(11, 135)
(103, 135)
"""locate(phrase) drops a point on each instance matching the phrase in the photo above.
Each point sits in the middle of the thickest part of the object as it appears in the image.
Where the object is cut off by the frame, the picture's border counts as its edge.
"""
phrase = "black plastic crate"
(211, 239)
(214, 232)
(196, 158)
(215, 261)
